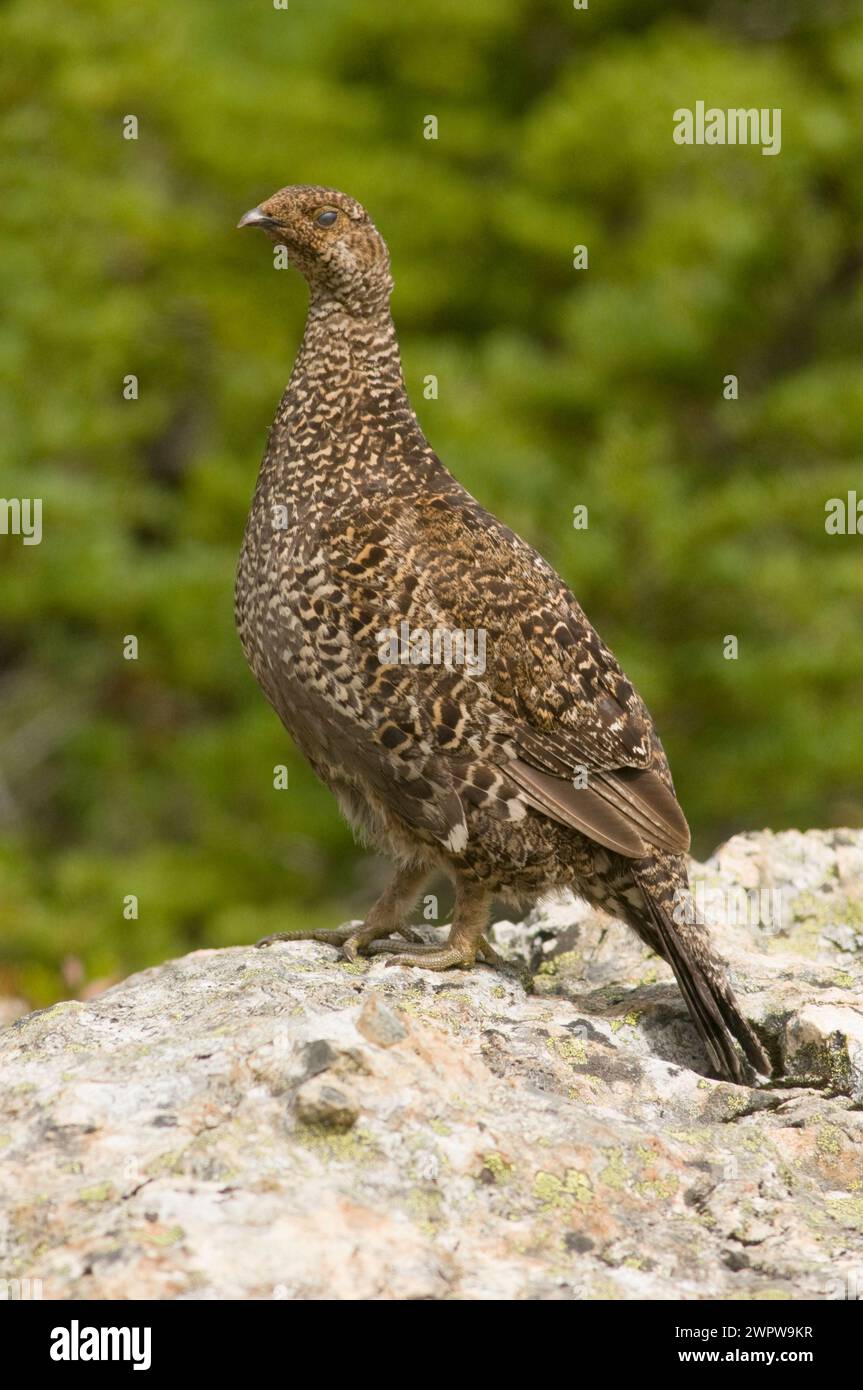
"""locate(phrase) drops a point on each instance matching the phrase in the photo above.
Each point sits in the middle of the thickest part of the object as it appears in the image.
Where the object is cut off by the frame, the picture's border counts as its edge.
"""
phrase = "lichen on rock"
(264, 1125)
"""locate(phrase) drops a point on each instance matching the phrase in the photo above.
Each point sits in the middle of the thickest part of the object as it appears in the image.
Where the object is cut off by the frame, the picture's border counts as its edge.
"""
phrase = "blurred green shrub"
(557, 387)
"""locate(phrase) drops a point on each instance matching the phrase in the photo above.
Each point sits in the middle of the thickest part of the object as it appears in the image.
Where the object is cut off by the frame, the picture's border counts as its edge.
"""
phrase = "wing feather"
(579, 807)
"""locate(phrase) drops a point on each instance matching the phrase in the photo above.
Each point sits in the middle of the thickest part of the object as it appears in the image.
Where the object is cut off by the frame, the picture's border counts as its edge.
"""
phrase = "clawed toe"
(435, 957)
(276, 936)
(448, 956)
(383, 946)
(486, 952)
(327, 936)
(353, 939)
(371, 941)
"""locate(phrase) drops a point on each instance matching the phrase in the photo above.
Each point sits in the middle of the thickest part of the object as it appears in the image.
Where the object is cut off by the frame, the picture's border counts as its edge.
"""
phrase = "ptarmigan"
(368, 576)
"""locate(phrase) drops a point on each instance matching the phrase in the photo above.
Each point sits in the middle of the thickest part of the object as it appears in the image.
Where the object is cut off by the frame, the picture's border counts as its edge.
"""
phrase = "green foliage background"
(557, 387)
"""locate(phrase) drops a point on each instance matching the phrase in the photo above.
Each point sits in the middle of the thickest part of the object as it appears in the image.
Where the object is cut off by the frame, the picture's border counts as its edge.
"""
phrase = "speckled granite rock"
(281, 1124)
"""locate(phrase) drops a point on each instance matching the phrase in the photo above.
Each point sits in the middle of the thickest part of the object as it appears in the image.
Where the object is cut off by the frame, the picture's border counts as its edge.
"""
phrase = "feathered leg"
(466, 940)
(385, 918)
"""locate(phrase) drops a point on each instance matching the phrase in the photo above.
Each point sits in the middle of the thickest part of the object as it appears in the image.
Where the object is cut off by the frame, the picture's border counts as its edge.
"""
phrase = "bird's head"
(332, 240)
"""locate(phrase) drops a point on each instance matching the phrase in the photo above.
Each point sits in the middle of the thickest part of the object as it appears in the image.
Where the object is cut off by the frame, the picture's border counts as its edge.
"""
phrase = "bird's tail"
(728, 1037)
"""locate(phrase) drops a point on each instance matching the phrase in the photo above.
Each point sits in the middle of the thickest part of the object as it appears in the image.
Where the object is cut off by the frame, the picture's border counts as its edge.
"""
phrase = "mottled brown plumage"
(538, 771)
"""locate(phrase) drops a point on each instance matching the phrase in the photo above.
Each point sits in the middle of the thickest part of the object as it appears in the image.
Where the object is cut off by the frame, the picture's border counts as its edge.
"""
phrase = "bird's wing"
(588, 753)
(551, 721)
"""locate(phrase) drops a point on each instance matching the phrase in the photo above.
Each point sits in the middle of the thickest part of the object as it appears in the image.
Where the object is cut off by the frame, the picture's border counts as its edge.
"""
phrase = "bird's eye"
(326, 219)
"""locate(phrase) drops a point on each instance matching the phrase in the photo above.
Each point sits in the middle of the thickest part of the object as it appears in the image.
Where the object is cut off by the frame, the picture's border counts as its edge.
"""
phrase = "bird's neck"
(348, 374)
(345, 404)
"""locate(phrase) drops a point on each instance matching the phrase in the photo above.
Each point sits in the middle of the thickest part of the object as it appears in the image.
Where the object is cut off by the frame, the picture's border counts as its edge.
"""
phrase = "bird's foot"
(447, 956)
(329, 936)
(352, 938)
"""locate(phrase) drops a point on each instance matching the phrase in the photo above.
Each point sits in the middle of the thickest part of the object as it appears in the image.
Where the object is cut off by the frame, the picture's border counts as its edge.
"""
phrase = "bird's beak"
(256, 218)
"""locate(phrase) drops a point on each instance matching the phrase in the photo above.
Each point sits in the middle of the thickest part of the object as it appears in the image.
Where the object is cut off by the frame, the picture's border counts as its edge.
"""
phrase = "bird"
(435, 671)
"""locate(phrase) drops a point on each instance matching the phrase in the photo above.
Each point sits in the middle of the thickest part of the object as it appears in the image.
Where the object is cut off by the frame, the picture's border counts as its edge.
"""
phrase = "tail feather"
(728, 1037)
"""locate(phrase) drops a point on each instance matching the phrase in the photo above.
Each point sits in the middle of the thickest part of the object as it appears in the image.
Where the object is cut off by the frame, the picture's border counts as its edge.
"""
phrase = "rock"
(827, 1040)
(379, 1023)
(285, 1124)
(318, 1102)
